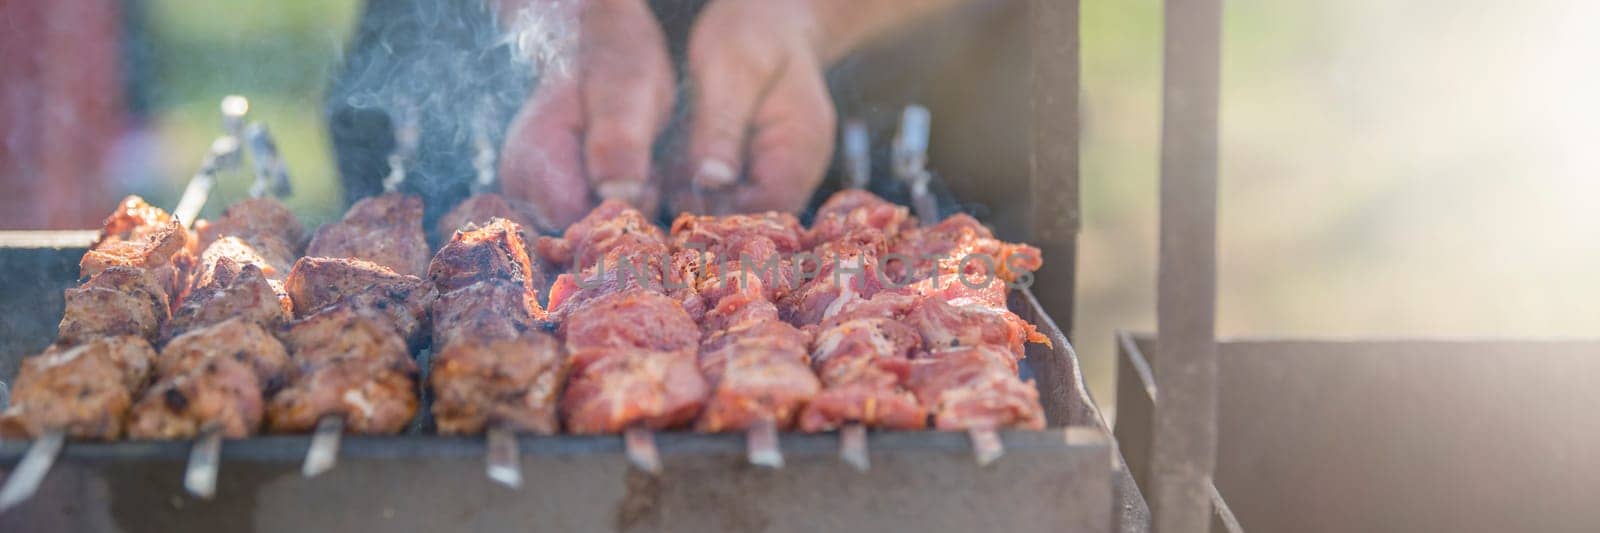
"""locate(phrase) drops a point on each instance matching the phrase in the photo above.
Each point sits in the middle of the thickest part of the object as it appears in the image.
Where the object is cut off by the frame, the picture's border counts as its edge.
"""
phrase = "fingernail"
(627, 191)
(715, 174)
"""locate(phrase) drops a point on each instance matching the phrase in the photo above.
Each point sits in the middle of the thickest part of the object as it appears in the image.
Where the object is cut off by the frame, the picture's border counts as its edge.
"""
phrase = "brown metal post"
(1053, 180)
(1184, 443)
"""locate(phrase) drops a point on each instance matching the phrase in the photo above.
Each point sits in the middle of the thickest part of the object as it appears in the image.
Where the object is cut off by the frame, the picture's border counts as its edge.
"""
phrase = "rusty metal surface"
(1048, 481)
(1401, 435)
(1053, 204)
(35, 266)
(1184, 444)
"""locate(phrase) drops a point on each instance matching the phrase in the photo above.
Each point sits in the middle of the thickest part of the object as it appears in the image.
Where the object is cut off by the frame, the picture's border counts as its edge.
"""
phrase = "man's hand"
(587, 134)
(761, 110)
(760, 106)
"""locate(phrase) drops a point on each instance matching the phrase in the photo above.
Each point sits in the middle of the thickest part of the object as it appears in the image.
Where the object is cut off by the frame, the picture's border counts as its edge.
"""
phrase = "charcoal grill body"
(1066, 478)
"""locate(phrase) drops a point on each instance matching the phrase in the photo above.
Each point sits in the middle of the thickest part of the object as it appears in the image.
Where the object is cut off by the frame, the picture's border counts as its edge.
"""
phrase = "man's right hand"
(587, 134)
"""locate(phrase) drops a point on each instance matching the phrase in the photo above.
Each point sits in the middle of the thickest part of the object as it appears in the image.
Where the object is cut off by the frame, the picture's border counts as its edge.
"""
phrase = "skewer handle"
(853, 447)
(271, 175)
(324, 451)
(641, 448)
(986, 446)
(857, 155)
(30, 472)
(503, 458)
(761, 442)
(200, 477)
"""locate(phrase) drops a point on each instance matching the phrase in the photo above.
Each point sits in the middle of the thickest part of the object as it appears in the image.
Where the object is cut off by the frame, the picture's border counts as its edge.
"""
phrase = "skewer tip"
(641, 449)
(761, 441)
(503, 458)
(200, 476)
(986, 446)
(29, 474)
(853, 447)
(324, 450)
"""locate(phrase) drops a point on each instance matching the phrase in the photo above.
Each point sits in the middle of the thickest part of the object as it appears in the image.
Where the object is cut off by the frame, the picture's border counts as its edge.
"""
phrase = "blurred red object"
(61, 111)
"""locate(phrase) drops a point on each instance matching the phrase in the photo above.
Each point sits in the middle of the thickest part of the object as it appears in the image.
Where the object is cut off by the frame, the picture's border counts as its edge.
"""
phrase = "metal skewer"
(641, 449)
(223, 155)
(324, 451)
(857, 155)
(853, 446)
(503, 457)
(911, 161)
(272, 177)
(200, 476)
(761, 442)
(29, 473)
(986, 446)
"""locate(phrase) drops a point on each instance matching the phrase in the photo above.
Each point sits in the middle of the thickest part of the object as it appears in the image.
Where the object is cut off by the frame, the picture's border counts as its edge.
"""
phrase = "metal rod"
(857, 154)
(272, 178)
(223, 154)
(200, 477)
(641, 449)
(324, 450)
(503, 457)
(1183, 446)
(911, 161)
(853, 446)
(986, 445)
(761, 442)
(30, 472)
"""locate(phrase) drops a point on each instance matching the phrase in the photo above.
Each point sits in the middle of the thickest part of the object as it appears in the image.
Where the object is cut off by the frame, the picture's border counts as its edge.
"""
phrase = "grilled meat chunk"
(238, 339)
(502, 382)
(116, 301)
(631, 320)
(232, 291)
(610, 226)
(352, 365)
(481, 208)
(317, 283)
(270, 254)
(345, 333)
(727, 237)
(384, 229)
(962, 245)
(253, 218)
(846, 270)
(853, 209)
(372, 401)
(493, 310)
(494, 250)
(944, 326)
(219, 391)
(610, 389)
(84, 390)
(975, 387)
(755, 383)
(140, 236)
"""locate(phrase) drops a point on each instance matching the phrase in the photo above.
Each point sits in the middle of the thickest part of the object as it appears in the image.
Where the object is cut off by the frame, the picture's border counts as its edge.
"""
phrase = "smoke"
(454, 73)
(543, 36)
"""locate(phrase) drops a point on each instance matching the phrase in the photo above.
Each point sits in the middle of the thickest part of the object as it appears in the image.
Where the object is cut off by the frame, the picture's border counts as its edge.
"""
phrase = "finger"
(627, 95)
(727, 85)
(540, 163)
(792, 143)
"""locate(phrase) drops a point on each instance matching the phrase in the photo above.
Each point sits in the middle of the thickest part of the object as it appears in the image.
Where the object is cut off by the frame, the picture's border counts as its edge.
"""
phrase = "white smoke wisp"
(544, 36)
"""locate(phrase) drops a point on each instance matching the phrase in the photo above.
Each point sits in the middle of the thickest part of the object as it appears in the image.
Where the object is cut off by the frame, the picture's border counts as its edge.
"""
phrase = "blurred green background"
(1389, 168)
